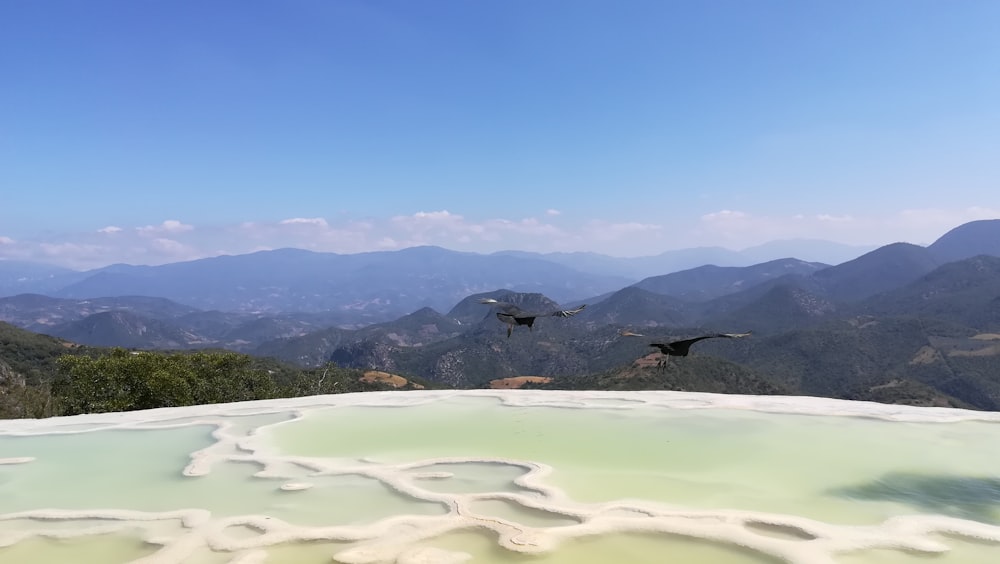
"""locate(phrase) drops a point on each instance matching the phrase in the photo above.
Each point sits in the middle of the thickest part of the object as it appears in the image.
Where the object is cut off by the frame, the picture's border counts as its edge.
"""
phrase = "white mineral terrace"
(505, 476)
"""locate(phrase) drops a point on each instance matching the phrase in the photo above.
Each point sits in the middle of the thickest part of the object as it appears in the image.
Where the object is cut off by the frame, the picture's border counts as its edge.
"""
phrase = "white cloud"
(739, 230)
(946, 217)
(315, 221)
(173, 225)
(70, 253)
(445, 223)
(552, 212)
(306, 233)
(526, 226)
(835, 218)
(436, 215)
(723, 215)
(168, 226)
(173, 241)
(609, 231)
(425, 220)
(170, 247)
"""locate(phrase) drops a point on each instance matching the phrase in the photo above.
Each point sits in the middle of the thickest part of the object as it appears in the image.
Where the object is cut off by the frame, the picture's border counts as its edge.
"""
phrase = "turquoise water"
(710, 459)
(142, 470)
(386, 478)
(109, 549)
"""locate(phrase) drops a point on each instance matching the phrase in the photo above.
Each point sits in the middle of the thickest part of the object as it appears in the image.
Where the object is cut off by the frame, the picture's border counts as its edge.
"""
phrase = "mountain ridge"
(805, 318)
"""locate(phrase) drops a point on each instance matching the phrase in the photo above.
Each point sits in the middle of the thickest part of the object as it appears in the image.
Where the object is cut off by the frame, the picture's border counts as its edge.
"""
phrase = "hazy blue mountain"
(641, 266)
(470, 312)
(883, 269)
(807, 250)
(214, 322)
(965, 291)
(125, 329)
(356, 290)
(584, 262)
(365, 287)
(968, 240)
(187, 327)
(419, 328)
(37, 312)
(710, 281)
(900, 323)
(311, 349)
(248, 336)
(811, 250)
(484, 352)
(781, 307)
(20, 277)
(795, 304)
(720, 307)
(635, 307)
(680, 259)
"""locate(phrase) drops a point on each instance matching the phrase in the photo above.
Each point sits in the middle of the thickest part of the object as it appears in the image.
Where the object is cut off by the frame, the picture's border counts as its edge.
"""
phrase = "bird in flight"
(628, 333)
(513, 315)
(682, 347)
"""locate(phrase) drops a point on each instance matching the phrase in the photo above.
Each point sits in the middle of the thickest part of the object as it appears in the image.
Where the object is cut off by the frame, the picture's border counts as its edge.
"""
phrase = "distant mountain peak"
(980, 237)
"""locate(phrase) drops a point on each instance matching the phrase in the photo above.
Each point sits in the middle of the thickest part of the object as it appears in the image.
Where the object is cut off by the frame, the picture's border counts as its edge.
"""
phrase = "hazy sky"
(160, 130)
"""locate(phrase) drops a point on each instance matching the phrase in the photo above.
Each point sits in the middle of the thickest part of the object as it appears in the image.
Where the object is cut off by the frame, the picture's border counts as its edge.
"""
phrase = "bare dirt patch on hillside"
(926, 355)
(517, 382)
(987, 337)
(393, 380)
(991, 350)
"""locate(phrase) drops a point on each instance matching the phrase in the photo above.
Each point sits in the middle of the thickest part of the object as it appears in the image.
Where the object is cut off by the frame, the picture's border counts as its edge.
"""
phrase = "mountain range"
(902, 319)
(365, 288)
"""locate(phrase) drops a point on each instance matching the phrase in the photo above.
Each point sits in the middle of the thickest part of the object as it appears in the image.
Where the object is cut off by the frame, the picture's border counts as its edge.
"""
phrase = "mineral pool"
(506, 476)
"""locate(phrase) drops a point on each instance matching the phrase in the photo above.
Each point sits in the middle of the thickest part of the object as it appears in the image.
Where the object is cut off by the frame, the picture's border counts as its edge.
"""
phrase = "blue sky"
(162, 130)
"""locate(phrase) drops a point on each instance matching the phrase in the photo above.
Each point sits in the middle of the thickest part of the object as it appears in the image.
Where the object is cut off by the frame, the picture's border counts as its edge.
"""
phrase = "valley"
(900, 323)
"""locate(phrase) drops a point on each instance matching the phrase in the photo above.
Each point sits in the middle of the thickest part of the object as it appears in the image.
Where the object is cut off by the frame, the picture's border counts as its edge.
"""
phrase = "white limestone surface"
(548, 477)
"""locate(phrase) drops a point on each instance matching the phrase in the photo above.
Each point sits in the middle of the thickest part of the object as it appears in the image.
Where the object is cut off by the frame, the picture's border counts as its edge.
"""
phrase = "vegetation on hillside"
(692, 374)
(934, 341)
(44, 377)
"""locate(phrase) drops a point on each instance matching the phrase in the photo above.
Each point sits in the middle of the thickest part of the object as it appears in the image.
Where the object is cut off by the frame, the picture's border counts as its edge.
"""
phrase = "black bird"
(681, 348)
(513, 315)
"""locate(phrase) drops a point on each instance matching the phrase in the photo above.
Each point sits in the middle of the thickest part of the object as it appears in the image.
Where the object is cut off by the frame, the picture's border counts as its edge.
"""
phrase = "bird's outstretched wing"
(735, 335)
(563, 312)
(627, 333)
(714, 336)
(680, 348)
(505, 308)
(511, 310)
(694, 340)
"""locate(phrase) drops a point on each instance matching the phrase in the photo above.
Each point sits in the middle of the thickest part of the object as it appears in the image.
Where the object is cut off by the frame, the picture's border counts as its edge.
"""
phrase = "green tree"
(120, 380)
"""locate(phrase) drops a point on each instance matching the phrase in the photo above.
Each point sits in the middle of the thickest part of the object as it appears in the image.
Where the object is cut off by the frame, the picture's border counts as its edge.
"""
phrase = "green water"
(142, 470)
(305, 553)
(710, 459)
(104, 549)
(961, 552)
(632, 548)
(472, 477)
(835, 470)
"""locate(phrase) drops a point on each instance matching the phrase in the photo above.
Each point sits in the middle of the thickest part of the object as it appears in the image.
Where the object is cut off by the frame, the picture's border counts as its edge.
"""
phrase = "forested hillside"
(41, 377)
